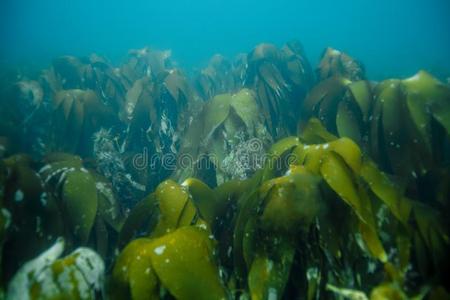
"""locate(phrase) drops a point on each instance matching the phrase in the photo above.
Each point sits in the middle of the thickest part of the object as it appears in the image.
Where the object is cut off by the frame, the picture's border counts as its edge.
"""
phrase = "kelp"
(410, 114)
(111, 161)
(217, 78)
(164, 257)
(61, 198)
(75, 96)
(145, 62)
(290, 218)
(157, 108)
(341, 99)
(86, 198)
(148, 267)
(355, 206)
(24, 116)
(156, 113)
(34, 218)
(85, 73)
(336, 63)
(287, 224)
(402, 124)
(228, 128)
(342, 106)
(280, 79)
(276, 214)
(169, 207)
(78, 113)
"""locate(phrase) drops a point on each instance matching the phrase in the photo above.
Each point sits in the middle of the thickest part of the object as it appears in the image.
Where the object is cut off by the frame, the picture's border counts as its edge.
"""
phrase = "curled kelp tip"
(337, 63)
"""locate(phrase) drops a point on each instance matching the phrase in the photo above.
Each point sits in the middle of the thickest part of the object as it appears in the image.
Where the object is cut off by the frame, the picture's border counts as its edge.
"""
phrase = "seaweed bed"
(254, 178)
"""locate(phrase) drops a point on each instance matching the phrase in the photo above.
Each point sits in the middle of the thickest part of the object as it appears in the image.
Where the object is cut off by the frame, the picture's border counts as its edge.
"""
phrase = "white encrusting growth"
(43, 198)
(160, 250)
(84, 275)
(18, 196)
(413, 78)
(202, 226)
(7, 217)
(44, 168)
(21, 281)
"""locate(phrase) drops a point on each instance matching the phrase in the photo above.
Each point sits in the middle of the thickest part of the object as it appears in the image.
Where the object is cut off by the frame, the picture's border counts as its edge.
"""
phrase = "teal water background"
(391, 37)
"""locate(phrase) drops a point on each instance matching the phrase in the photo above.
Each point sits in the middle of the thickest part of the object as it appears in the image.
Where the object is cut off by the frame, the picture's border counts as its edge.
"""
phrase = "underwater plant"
(387, 118)
(280, 79)
(235, 206)
(61, 199)
(402, 124)
(151, 268)
(34, 217)
(78, 114)
(374, 208)
(24, 121)
(413, 114)
(339, 64)
(343, 106)
(86, 73)
(287, 224)
(217, 78)
(160, 261)
(145, 62)
(111, 163)
(157, 113)
(227, 125)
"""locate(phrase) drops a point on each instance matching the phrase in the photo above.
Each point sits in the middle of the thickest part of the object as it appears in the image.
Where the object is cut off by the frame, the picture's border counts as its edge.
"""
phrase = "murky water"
(224, 150)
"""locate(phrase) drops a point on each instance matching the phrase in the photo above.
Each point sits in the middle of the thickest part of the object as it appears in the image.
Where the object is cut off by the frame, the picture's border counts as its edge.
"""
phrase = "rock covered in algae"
(78, 275)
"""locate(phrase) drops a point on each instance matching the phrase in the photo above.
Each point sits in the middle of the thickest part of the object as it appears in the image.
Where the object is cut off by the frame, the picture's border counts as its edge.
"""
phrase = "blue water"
(391, 37)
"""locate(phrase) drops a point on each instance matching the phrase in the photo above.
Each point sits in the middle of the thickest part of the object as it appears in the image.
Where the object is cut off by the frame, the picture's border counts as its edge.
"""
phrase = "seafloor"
(257, 177)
